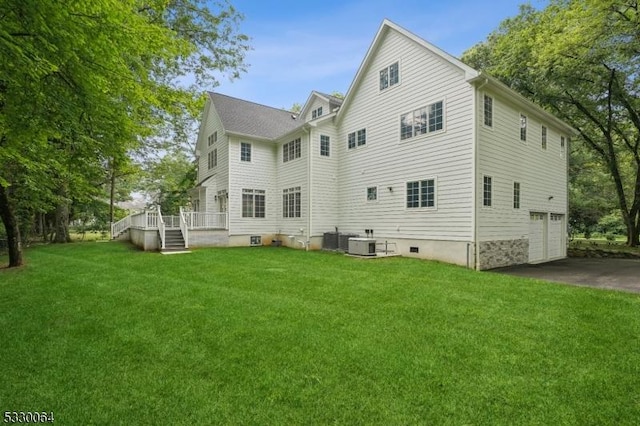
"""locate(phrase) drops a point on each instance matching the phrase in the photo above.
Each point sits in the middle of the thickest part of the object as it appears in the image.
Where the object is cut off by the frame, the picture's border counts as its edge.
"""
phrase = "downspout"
(474, 198)
(309, 188)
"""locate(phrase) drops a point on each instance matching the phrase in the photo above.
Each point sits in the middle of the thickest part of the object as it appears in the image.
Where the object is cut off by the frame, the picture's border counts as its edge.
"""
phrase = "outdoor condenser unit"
(362, 246)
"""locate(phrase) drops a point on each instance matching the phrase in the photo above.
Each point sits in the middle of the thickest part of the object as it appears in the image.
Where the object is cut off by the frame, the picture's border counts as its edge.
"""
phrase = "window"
(488, 111)
(544, 137)
(562, 145)
(253, 203)
(372, 193)
(213, 138)
(291, 150)
(421, 193)
(291, 202)
(389, 76)
(516, 195)
(316, 113)
(212, 159)
(523, 127)
(324, 145)
(359, 138)
(418, 122)
(486, 191)
(245, 151)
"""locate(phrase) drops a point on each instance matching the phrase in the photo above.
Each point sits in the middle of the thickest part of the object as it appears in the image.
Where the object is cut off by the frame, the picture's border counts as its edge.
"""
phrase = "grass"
(100, 333)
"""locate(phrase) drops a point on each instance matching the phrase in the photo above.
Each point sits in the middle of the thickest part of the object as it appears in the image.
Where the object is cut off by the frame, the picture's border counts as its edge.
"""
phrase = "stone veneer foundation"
(495, 254)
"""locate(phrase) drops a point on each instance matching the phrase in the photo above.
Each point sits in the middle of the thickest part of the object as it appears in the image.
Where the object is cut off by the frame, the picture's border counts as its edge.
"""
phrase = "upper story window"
(316, 113)
(325, 143)
(488, 111)
(523, 127)
(212, 159)
(544, 137)
(516, 195)
(422, 120)
(389, 76)
(245, 151)
(562, 146)
(421, 193)
(487, 191)
(358, 138)
(213, 138)
(372, 193)
(291, 150)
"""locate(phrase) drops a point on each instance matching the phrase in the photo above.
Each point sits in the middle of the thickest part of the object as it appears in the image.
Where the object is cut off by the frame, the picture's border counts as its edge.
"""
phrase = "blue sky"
(300, 46)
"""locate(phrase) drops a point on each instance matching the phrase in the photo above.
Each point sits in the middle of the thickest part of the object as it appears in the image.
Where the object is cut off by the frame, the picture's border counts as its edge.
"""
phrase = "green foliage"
(168, 180)
(279, 336)
(579, 59)
(611, 224)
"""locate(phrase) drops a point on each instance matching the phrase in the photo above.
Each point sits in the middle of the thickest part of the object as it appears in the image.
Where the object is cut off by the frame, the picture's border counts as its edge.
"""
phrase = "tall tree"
(580, 59)
(85, 82)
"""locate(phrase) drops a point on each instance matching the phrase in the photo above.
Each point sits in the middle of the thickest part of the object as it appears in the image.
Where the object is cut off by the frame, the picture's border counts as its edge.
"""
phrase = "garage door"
(556, 236)
(537, 234)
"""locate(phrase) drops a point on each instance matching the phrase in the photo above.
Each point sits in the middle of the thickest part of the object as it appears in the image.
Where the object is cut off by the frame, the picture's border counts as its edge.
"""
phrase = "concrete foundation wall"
(145, 239)
(208, 238)
(496, 254)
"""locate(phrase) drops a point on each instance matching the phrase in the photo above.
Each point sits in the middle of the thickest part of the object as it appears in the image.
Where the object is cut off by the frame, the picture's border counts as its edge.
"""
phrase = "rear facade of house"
(424, 154)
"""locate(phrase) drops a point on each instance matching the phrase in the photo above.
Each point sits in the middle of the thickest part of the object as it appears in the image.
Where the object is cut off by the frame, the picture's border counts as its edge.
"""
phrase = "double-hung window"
(325, 143)
(358, 138)
(516, 195)
(212, 159)
(316, 113)
(488, 111)
(291, 150)
(253, 203)
(487, 191)
(421, 193)
(245, 151)
(291, 202)
(523, 127)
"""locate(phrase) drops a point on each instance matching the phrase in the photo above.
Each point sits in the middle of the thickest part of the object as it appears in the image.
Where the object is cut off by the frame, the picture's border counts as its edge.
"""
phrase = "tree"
(580, 59)
(84, 83)
(168, 180)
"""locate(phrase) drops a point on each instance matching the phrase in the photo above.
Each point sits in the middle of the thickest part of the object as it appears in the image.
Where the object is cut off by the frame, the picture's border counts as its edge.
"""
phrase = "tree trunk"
(112, 192)
(62, 219)
(13, 230)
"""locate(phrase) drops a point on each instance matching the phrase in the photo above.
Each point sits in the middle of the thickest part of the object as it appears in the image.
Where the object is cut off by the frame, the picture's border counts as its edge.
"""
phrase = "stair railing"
(161, 229)
(120, 226)
(184, 228)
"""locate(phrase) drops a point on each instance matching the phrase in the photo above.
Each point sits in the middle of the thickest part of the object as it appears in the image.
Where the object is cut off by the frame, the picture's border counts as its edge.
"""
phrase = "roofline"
(387, 24)
(484, 78)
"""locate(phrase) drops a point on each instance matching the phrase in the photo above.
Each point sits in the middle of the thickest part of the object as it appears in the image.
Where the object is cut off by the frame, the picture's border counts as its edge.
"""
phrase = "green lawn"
(100, 333)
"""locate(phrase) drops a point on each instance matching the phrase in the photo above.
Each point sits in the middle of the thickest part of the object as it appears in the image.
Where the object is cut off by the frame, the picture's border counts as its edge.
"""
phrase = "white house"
(424, 153)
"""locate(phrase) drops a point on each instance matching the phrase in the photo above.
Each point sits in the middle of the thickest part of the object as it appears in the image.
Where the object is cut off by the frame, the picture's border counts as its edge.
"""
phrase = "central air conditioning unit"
(362, 246)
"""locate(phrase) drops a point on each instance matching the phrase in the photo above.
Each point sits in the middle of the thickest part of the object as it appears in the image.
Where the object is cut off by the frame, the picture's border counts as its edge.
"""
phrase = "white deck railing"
(120, 226)
(184, 228)
(202, 220)
(161, 227)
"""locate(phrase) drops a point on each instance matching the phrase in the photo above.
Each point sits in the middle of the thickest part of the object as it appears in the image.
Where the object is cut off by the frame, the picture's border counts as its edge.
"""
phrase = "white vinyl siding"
(387, 164)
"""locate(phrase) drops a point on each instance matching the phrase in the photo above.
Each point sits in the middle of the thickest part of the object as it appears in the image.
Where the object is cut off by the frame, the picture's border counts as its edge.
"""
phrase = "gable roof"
(246, 118)
(333, 101)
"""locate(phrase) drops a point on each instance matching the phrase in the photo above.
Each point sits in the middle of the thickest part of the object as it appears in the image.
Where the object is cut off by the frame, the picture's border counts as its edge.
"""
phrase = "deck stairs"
(174, 240)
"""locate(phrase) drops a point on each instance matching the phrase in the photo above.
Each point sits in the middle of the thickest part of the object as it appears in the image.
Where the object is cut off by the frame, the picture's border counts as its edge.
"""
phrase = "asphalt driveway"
(615, 274)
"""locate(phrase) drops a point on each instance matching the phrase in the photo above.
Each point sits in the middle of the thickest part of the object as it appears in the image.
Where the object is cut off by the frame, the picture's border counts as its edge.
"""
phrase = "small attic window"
(316, 113)
(389, 76)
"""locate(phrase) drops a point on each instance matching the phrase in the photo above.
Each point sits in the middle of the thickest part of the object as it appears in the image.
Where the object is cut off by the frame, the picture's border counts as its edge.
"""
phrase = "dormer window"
(316, 113)
(389, 76)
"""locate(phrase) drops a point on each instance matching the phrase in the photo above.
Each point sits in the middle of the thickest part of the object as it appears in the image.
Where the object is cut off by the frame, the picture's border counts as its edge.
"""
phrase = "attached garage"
(546, 237)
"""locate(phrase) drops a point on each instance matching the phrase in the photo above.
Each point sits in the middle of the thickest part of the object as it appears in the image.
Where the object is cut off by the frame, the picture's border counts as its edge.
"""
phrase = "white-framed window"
(390, 76)
(488, 110)
(562, 146)
(421, 193)
(213, 138)
(253, 203)
(487, 191)
(325, 145)
(291, 150)
(358, 138)
(316, 113)
(372, 193)
(516, 195)
(245, 151)
(422, 120)
(544, 137)
(523, 127)
(212, 158)
(291, 202)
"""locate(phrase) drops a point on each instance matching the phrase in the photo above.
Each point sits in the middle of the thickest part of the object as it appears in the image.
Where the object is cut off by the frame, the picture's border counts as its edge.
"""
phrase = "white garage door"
(537, 236)
(556, 236)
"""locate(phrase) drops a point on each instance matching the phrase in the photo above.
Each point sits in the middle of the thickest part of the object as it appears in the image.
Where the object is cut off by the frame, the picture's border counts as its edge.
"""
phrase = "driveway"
(615, 274)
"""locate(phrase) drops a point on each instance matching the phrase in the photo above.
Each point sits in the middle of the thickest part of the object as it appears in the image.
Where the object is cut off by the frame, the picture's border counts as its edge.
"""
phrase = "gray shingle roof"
(249, 118)
(333, 100)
